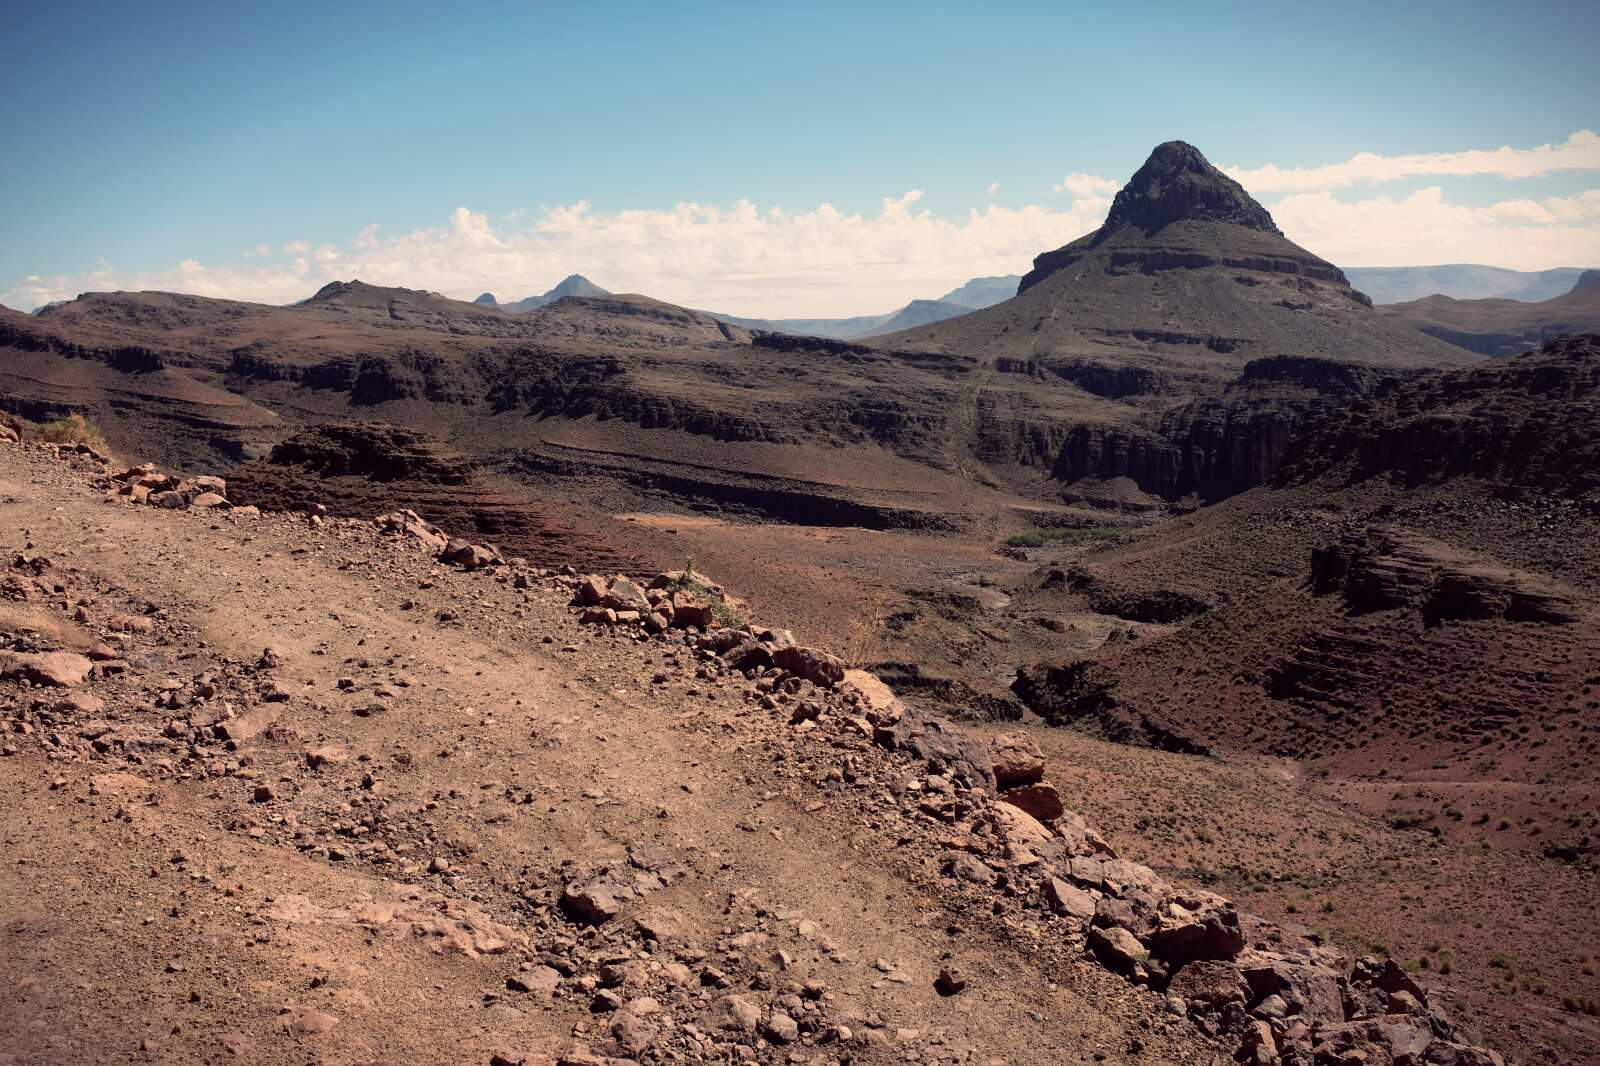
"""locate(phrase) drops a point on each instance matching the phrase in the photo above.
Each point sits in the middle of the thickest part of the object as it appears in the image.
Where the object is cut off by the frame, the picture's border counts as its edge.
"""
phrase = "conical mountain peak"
(1180, 211)
(1179, 184)
(575, 285)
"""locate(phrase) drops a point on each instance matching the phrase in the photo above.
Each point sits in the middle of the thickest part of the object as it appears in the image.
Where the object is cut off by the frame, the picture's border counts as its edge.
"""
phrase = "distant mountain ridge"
(1501, 327)
(571, 285)
(1163, 361)
(974, 295)
(1461, 281)
(983, 292)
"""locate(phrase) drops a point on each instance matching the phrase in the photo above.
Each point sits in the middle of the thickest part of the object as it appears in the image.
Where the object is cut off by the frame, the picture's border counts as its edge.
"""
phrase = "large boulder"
(53, 669)
(194, 487)
(1189, 929)
(1118, 950)
(1016, 827)
(623, 595)
(1068, 900)
(691, 612)
(134, 472)
(1080, 839)
(1305, 987)
(733, 1013)
(816, 666)
(595, 902)
(1017, 760)
(407, 523)
(590, 591)
(469, 556)
(748, 655)
(943, 747)
(1378, 1040)
(876, 699)
(1040, 800)
(1211, 982)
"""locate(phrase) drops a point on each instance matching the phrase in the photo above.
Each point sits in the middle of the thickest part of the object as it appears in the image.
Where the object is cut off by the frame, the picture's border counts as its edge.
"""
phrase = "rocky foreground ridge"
(997, 836)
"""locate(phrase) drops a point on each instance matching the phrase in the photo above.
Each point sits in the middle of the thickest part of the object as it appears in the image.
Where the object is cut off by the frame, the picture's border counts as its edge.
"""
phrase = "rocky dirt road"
(439, 821)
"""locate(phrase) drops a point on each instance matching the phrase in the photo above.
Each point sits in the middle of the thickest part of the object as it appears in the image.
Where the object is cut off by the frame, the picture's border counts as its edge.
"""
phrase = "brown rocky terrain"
(1408, 613)
(1164, 359)
(255, 816)
(1313, 592)
(1502, 327)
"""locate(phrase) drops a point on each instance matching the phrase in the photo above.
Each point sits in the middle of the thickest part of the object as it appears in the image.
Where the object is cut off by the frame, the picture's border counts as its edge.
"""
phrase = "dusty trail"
(483, 749)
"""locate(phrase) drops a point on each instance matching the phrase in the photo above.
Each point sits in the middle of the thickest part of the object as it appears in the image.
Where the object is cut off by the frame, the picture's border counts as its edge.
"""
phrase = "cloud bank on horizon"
(1581, 151)
(769, 262)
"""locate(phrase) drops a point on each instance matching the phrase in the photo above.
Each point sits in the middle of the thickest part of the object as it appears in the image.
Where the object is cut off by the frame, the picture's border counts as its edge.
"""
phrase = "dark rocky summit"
(1176, 184)
(1179, 185)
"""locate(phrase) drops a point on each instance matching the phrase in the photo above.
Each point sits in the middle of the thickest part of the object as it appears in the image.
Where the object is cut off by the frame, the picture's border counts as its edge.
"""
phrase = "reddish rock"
(689, 612)
(1039, 800)
(248, 724)
(734, 1013)
(623, 595)
(1209, 981)
(469, 556)
(815, 666)
(1118, 949)
(56, 669)
(1016, 826)
(595, 903)
(1209, 930)
(1068, 900)
(1017, 760)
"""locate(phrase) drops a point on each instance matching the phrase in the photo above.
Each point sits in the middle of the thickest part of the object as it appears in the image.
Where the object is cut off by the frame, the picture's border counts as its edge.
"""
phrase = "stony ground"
(387, 838)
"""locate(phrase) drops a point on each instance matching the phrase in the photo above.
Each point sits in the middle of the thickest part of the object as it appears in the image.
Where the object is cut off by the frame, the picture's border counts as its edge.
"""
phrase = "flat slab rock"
(55, 669)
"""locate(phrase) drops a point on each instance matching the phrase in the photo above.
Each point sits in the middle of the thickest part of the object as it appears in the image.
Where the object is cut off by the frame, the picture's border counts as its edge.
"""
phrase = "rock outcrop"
(1385, 567)
(985, 816)
(1531, 422)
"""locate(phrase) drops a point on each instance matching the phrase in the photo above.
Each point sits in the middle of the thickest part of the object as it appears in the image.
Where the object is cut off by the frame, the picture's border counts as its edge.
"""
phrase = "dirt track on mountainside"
(474, 750)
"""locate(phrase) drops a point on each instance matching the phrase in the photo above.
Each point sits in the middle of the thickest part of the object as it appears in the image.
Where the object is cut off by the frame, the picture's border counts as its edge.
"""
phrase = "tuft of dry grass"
(73, 429)
(865, 642)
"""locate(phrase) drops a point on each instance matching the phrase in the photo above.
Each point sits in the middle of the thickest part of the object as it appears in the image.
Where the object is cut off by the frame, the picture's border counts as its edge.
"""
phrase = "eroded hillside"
(372, 768)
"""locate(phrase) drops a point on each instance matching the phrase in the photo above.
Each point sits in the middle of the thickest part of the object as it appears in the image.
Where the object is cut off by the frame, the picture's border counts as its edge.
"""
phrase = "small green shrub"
(1094, 535)
(726, 616)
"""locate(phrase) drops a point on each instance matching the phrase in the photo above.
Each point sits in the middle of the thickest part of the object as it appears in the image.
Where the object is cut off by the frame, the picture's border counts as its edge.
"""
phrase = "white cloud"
(740, 258)
(993, 189)
(1087, 185)
(1425, 227)
(1581, 151)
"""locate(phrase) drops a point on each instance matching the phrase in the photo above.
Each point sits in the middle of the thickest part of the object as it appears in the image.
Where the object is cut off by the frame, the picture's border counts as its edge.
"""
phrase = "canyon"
(1295, 595)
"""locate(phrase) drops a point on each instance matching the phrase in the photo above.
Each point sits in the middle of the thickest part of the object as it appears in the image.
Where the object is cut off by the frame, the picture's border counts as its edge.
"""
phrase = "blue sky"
(142, 137)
